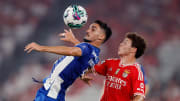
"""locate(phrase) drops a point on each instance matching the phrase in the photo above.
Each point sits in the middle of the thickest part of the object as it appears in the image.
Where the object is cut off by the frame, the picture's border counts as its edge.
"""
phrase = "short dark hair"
(137, 42)
(106, 28)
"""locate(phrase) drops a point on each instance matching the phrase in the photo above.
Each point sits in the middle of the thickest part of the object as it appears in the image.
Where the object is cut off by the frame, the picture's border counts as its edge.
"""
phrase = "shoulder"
(138, 67)
(135, 67)
(83, 44)
(110, 60)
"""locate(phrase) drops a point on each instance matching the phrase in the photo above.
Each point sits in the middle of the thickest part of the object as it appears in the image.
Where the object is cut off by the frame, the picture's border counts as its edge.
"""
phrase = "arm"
(61, 50)
(69, 37)
(138, 98)
(86, 79)
(145, 81)
(138, 84)
(147, 88)
(101, 68)
(98, 68)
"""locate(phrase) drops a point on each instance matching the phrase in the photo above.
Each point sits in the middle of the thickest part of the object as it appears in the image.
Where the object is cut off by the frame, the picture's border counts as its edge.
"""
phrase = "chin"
(87, 40)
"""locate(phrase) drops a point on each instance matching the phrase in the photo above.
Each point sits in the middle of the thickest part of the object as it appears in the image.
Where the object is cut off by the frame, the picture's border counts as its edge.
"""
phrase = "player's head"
(132, 44)
(98, 31)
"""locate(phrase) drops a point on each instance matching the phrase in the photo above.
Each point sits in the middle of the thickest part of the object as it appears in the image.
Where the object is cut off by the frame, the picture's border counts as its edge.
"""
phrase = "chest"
(116, 71)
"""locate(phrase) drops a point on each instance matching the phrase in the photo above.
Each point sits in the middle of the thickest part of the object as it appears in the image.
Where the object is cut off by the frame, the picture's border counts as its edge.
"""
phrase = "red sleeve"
(138, 82)
(101, 68)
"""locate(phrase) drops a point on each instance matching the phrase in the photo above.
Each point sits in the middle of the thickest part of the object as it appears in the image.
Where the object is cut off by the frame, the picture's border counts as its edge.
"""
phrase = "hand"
(68, 36)
(32, 46)
(86, 79)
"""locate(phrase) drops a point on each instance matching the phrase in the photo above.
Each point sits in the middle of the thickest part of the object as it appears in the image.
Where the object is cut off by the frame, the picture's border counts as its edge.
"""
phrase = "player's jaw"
(87, 38)
(122, 51)
(90, 36)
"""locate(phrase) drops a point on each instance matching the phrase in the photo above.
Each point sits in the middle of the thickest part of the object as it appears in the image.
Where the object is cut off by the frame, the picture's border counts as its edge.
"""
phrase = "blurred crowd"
(157, 20)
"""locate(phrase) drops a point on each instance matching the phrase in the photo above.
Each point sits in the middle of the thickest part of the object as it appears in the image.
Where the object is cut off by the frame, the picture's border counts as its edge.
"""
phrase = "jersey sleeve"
(84, 48)
(100, 68)
(138, 84)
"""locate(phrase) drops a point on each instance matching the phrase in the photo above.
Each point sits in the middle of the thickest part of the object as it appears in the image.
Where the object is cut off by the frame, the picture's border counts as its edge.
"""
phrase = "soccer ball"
(75, 16)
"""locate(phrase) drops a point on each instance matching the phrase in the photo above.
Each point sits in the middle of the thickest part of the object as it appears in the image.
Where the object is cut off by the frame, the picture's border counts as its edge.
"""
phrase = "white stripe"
(60, 67)
(55, 80)
(55, 88)
(140, 76)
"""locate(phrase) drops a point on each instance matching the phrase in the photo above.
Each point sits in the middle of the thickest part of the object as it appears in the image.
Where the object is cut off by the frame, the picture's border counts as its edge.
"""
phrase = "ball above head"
(75, 16)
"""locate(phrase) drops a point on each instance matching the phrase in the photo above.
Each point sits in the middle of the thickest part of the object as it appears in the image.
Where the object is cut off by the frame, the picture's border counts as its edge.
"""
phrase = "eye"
(93, 29)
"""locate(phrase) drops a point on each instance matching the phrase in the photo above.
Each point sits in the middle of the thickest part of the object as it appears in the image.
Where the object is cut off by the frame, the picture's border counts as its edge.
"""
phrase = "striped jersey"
(66, 69)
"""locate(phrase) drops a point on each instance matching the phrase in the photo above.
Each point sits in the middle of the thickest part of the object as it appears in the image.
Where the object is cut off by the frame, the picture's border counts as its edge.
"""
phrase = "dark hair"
(137, 42)
(106, 28)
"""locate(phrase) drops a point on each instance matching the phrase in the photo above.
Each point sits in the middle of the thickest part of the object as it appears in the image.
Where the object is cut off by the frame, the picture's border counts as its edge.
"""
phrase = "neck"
(96, 44)
(128, 59)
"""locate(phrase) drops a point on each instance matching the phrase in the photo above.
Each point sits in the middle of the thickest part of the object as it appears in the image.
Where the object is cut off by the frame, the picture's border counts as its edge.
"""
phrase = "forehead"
(94, 25)
(128, 40)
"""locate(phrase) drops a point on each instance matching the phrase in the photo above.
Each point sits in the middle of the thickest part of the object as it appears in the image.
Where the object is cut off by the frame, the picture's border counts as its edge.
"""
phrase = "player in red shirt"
(124, 78)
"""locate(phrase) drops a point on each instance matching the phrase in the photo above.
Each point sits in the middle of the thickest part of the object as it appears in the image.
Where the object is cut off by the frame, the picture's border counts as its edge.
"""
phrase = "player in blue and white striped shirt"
(73, 64)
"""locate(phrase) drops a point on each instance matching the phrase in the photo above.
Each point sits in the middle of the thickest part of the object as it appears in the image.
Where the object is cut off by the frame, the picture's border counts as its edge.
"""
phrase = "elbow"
(73, 51)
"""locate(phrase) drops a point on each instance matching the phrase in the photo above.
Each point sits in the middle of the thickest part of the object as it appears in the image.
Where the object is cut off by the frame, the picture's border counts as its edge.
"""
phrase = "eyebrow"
(94, 27)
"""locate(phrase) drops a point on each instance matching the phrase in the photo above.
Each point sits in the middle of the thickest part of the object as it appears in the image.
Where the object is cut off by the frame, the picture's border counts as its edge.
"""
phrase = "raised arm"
(61, 50)
(68, 36)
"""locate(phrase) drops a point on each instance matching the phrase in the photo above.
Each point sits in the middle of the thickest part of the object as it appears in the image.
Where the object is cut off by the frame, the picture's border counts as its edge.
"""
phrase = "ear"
(102, 36)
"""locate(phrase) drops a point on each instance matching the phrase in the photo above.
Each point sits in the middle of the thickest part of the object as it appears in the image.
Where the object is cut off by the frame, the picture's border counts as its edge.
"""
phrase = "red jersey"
(122, 81)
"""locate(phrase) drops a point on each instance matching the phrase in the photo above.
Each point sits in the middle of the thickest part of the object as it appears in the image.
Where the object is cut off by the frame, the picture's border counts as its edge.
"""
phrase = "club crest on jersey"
(125, 73)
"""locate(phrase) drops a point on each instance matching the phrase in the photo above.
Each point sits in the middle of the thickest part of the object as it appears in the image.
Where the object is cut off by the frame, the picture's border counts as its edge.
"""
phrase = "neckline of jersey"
(122, 65)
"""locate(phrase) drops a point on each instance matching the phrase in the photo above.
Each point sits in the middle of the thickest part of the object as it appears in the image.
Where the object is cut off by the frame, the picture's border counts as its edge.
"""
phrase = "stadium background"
(24, 21)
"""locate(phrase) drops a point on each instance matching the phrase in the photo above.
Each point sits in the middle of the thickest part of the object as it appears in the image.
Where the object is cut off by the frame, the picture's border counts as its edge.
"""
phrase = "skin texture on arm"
(60, 50)
(147, 89)
(85, 78)
(138, 98)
